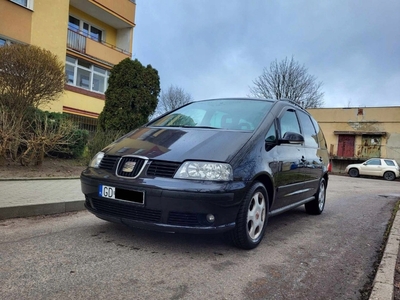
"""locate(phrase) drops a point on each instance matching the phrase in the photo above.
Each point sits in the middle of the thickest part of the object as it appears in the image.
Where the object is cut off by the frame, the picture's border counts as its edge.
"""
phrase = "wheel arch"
(266, 180)
(326, 177)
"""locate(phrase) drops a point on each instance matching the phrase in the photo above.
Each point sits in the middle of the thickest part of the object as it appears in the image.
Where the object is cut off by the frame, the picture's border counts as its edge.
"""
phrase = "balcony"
(118, 14)
(100, 51)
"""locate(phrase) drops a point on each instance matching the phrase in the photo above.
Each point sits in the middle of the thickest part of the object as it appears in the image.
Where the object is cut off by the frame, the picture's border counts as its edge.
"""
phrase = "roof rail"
(291, 101)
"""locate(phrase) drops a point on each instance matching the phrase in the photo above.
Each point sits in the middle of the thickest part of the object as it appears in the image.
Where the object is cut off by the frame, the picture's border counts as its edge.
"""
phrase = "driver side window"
(289, 122)
(373, 162)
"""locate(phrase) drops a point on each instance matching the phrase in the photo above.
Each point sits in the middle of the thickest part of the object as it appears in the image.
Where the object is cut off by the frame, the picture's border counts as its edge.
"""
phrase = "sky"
(217, 48)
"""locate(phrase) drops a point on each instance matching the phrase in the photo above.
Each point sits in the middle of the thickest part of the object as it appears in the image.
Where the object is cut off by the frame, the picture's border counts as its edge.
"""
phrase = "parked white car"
(381, 167)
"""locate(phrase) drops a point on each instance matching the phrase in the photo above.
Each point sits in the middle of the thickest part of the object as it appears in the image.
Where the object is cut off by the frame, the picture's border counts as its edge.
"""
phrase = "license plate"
(111, 192)
(107, 191)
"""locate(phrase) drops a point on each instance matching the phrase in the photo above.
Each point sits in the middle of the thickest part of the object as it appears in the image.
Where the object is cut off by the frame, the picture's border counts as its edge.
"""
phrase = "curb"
(383, 285)
(37, 178)
(40, 209)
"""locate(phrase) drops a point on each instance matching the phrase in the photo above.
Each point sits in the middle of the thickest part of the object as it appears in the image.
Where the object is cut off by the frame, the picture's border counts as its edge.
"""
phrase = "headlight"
(96, 160)
(200, 170)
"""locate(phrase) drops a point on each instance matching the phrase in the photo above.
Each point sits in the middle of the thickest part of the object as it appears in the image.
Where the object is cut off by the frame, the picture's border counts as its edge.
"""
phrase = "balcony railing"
(83, 44)
(76, 41)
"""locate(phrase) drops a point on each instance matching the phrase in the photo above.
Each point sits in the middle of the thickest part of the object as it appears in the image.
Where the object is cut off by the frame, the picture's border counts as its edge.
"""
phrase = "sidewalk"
(27, 198)
(33, 197)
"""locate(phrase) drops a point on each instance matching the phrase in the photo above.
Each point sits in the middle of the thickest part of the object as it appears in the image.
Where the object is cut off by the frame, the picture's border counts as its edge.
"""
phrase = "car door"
(286, 165)
(313, 157)
(371, 167)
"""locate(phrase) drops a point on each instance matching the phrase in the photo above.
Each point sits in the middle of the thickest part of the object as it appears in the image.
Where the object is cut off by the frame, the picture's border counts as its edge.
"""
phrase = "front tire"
(354, 173)
(316, 206)
(252, 218)
(389, 176)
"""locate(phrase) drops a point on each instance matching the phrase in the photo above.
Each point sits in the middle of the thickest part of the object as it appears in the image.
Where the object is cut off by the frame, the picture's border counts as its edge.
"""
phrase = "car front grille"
(162, 169)
(109, 162)
(126, 210)
(156, 168)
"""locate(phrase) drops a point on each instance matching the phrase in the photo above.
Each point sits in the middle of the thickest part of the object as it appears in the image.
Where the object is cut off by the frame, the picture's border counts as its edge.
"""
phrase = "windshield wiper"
(186, 126)
(207, 127)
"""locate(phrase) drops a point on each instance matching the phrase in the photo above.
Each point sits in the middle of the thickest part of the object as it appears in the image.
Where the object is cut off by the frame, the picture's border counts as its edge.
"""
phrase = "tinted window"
(233, 114)
(320, 135)
(308, 130)
(373, 162)
(289, 122)
(389, 162)
(271, 134)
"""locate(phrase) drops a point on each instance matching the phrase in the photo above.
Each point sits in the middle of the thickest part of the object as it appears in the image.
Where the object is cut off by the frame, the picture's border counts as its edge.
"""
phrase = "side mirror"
(292, 138)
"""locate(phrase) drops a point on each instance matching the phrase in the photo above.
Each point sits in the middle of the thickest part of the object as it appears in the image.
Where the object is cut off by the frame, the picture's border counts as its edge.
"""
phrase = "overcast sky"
(216, 48)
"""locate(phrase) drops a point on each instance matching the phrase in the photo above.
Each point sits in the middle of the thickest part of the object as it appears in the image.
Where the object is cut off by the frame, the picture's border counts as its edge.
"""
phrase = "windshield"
(233, 114)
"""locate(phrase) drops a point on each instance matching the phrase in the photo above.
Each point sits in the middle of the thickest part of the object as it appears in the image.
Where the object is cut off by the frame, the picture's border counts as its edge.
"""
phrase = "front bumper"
(170, 205)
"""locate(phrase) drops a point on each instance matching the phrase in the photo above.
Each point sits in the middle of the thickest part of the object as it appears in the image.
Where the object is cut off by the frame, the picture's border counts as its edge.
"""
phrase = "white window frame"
(81, 30)
(29, 3)
(91, 71)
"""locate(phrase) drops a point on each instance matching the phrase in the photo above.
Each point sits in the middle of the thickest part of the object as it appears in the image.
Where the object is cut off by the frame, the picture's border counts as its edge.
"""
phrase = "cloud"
(217, 48)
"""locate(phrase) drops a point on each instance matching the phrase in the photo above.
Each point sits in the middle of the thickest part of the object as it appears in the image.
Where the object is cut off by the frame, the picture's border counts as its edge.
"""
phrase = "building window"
(85, 29)
(5, 42)
(83, 74)
(25, 3)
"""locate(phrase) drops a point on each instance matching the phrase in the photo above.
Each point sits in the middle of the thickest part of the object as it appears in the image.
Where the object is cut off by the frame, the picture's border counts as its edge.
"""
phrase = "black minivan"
(219, 165)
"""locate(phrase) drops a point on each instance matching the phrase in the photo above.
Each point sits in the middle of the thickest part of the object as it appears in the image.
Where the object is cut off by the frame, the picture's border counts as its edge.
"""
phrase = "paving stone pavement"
(26, 198)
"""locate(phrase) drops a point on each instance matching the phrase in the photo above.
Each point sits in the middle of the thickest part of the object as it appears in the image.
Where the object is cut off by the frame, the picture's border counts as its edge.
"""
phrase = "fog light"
(210, 218)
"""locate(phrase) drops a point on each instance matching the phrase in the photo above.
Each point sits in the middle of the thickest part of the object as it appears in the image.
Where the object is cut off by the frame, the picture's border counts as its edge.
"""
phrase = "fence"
(89, 124)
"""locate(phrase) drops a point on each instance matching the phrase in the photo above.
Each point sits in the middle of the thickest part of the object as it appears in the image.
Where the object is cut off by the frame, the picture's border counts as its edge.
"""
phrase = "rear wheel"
(316, 206)
(354, 172)
(252, 218)
(389, 176)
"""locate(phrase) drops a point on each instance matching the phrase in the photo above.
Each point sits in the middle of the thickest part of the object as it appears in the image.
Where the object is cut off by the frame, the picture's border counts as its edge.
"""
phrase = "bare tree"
(288, 80)
(29, 76)
(172, 98)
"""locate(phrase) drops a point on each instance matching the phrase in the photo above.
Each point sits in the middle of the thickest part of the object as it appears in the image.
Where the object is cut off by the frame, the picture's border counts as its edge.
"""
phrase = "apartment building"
(355, 134)
(90, 36)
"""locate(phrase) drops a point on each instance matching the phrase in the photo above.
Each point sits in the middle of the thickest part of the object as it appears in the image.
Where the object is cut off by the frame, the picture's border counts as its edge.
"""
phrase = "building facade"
(356, 134)
(90, 36)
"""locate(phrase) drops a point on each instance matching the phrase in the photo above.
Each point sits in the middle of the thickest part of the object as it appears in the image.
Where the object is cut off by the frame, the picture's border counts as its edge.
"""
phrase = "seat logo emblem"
(129, 166)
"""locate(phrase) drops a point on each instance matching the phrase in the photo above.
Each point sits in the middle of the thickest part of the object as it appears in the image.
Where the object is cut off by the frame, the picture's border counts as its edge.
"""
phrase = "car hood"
(179, 144)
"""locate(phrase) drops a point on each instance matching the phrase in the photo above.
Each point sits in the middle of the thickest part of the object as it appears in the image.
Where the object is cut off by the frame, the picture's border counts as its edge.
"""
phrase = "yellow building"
(90, 36)
(356, 134)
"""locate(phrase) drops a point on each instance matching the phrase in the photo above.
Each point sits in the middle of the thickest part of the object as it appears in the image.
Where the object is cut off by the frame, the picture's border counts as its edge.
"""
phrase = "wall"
(15, 21)
(49, 31)
(360, 121)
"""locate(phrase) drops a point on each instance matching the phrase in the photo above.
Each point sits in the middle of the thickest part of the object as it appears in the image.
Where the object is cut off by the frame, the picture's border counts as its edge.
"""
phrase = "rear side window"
(320, 135)
(389, 162)
(308, 130)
